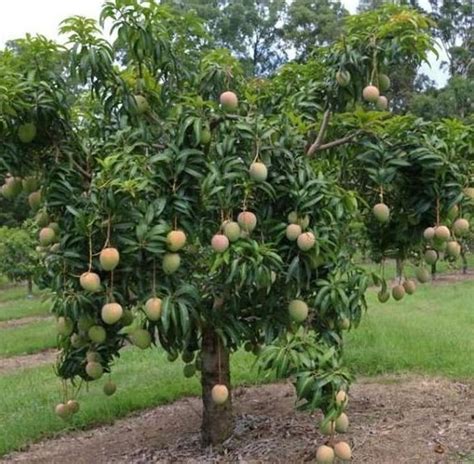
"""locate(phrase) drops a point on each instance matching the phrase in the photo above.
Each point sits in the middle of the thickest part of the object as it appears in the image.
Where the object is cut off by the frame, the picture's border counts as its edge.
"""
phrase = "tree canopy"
(455, 30)
(182, 203)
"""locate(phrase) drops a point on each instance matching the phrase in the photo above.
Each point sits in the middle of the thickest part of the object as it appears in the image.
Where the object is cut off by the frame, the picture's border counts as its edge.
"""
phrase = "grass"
(27, 339)
(144, 379)
(23, 307)
(14, 292)
(409, 269)
(426, 333)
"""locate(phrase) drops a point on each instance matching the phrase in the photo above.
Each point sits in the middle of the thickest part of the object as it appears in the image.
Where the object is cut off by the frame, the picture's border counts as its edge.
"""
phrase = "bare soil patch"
(12, 323)
(441, 278)
(394, 420)
(454, 277)
(27, 360)
(447, 278)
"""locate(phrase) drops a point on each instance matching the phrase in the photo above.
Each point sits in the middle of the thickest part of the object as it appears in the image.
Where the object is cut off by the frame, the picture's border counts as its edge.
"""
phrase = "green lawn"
(14, 292)
(15, 303)
(144, 379)
(430, 332)
(409, 269)
(26, 339)
(23, 307)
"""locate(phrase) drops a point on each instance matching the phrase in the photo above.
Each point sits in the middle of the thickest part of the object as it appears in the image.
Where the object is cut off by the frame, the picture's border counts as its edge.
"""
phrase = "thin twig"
(111, 287)
(219, 359)
(437, 211)
(322, 130)
(107, 240)
(83, 171)
(90, 251)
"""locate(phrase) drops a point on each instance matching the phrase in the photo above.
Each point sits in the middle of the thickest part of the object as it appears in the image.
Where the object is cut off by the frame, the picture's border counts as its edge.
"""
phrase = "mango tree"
(20, 259)
(420, 170)
(183, 206)
(414, 174)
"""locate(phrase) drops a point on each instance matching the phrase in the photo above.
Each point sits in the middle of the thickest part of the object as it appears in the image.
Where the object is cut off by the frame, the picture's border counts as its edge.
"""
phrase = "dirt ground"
(28, 360)
(445, 278)
(12, 323)
(453, 277)
(394, 420)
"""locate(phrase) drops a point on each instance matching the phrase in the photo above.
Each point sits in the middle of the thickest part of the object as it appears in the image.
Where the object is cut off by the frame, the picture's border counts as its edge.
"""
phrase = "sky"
(17, 17)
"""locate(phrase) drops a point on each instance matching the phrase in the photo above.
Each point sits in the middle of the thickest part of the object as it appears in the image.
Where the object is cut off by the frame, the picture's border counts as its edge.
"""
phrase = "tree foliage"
(127, 154)
(367, 5)
(313, 24)
(454, 100)
(454, 27)
(253, 31)
(20, 260)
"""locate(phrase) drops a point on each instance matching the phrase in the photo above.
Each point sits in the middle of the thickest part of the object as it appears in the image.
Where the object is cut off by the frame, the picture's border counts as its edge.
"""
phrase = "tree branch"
(322, 130)
(85, 173)
(338, 142)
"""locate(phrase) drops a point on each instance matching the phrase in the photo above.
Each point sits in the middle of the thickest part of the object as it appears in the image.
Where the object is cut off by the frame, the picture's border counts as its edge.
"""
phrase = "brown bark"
(320, 137)
(336, 143)
(399, 265)
(465, 264)
(433, 271)
(217, 420)
(30, 287)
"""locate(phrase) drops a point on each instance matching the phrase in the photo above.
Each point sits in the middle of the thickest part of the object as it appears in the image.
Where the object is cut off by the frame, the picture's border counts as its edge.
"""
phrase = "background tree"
(453, 100)
(313, 24)
(253, 31)
(19, 261)
(453, 26)
(455, 29)
(367, 5)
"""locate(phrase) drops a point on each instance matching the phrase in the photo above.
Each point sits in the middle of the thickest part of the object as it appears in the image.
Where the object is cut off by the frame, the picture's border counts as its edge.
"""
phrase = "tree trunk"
(464, 260)
(30, 287)
(217, 420)
(433, 271)
(399, 265)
